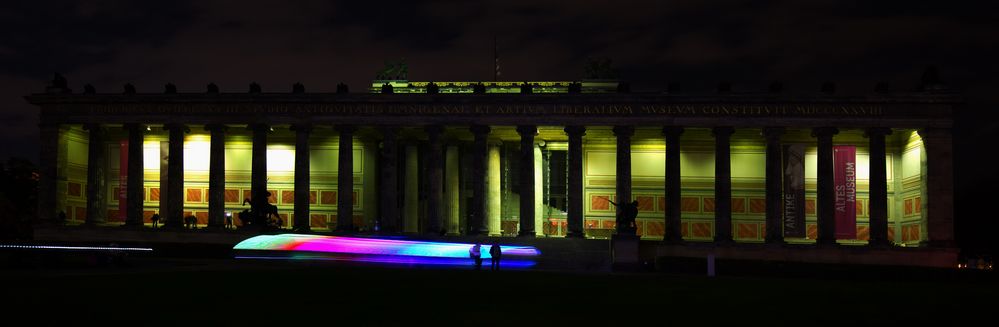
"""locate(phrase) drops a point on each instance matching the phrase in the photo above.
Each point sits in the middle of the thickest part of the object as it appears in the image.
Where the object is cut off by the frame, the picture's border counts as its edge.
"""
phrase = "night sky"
(696, 43)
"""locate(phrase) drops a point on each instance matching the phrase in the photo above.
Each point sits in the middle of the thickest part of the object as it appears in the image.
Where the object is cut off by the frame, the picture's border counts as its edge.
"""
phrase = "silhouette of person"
(228, 220)
(476, 254)
(156, 219)
(62, 216)
(495, 253)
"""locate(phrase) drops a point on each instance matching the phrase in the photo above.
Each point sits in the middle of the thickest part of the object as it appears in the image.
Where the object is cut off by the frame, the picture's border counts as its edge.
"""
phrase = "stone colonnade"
(486, 179)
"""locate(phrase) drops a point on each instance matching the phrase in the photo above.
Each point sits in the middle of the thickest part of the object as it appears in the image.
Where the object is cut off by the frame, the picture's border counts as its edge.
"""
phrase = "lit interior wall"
(909, 218)
(73, 148)
(748, 157)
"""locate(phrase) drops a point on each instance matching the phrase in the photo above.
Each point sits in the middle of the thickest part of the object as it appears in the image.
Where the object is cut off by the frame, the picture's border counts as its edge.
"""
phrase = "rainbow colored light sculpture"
(316, 247)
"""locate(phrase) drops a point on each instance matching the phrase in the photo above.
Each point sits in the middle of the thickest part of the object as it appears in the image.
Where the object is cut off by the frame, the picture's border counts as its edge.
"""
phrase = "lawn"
(281, 293)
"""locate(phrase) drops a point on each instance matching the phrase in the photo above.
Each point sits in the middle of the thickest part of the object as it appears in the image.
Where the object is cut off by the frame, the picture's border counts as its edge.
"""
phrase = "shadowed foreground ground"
(154, 291)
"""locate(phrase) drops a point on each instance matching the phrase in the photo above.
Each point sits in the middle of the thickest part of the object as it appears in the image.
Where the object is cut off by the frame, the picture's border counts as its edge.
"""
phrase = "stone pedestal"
(624, 252)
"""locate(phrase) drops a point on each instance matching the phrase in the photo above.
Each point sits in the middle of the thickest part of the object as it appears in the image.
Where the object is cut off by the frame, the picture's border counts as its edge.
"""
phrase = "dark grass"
(217, 292)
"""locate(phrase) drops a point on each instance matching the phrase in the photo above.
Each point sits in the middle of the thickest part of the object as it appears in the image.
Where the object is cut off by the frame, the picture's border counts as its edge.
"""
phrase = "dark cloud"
(39, 37)
(415, 24)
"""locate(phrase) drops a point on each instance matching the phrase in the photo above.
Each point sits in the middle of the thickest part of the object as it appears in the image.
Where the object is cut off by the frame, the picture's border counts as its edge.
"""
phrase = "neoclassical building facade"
(544, 159)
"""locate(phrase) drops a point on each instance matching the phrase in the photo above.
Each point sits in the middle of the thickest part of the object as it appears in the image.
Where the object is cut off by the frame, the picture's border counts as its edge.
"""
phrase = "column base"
(215, 227)
(132, 226)
(775, 240)
(477, 232)
(727, 240)
(826, 241)
(878, 243)
(672, 241)
(527, 234)
(575, 235)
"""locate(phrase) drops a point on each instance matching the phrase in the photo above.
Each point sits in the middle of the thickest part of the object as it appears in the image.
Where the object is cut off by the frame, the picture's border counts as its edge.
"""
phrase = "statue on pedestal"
(261, 212)
(626, 217)
(393, 71)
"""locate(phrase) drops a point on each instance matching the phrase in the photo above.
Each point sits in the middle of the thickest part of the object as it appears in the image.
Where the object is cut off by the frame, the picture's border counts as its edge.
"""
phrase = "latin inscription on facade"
(363, 109)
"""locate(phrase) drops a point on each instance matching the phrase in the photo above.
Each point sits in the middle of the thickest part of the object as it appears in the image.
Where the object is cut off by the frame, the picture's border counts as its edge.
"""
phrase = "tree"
(18, 198)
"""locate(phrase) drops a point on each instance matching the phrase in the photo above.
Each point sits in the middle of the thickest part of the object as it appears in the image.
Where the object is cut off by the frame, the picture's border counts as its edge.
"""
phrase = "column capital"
(722, 131)
(672, 131)
(302, 127)
(480, 130)
(824, 131)
(213, 127)
(532, 130)
(626, 131)
(393, 128)
(434, 129)
(389, 131)
(259, 127)
(92, 126)
(134, 127)
(177, 126)
(575, 130)
(773, 132)
(877, 131)
(345, 128)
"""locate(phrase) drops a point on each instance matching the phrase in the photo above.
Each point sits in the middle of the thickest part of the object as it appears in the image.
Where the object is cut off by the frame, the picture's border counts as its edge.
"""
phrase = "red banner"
(845, 181)
(123, 181)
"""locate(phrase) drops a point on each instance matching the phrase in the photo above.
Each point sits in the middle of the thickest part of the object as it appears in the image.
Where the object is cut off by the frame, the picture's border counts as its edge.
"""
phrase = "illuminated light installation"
(316, 247)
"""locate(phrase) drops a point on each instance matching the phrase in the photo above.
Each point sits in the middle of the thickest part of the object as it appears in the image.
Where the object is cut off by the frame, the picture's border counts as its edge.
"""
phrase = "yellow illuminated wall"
(910, 224)
(748, 161)
(197, 154)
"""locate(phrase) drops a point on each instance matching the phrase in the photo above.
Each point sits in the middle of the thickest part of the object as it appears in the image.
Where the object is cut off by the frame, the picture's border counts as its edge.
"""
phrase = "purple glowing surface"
(381, 250)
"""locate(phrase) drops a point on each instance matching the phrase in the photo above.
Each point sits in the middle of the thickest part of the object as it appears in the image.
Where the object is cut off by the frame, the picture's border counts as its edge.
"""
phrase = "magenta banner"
(845, 182)
(123, 181)
(794, 190)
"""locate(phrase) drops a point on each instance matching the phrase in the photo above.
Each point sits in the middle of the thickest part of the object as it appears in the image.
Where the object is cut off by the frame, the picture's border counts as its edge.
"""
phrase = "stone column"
(216, 176)
(175, 176)
(97, 201)
(389, 180)
(493, 191)
(878, 186)
(723, 184)
(774, 185)
(411, 203)
(939, 201)
(48, 168)
(825, 192)
(673, 234)
(303, 220)
(345, 180)
(451, 193)
(479, 194)
(134, 185)
(623, 173)
(435, 172)
(574, 214)
(539, 192)
(258, 167)
(527, 133)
